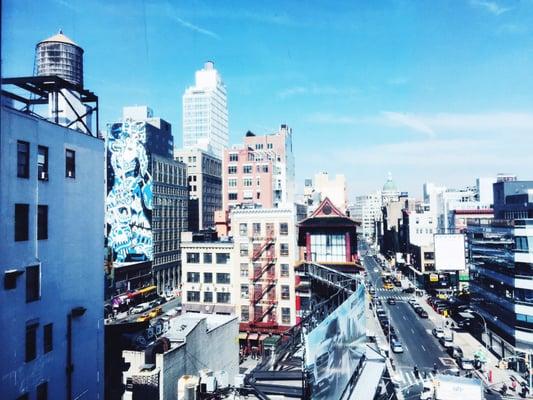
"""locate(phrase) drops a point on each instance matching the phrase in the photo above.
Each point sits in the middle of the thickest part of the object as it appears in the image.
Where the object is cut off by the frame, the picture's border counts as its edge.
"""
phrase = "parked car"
(397, 283)
(155, 312)
(379, 303)
(454, 352)
(412, 301)
(446, 341)
(396, 346)
(409, 290)
(391, 301)
(139, 308)
(144, 317)
(466, 364)
(422, 313)
(437, 332)
(171, 313)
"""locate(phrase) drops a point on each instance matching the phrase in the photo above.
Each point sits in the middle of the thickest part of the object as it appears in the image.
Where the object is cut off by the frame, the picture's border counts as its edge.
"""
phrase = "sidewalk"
(470, 345)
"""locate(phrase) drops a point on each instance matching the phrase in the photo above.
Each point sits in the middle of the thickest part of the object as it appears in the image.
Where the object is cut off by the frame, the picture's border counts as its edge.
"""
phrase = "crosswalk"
(407, 377)
(396, 294)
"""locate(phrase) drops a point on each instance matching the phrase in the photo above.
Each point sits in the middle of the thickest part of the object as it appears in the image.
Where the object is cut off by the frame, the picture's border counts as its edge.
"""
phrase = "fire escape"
(263, 281)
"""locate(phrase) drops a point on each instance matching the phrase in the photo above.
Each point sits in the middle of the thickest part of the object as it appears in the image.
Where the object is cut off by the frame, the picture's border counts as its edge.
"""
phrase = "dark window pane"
(23, 159)
(33, 283)
(24, 396)
(42, 163)
(42, 222)
(31, 342)
(48, 337)
(70, 163)
(42, 391)
(21, 221)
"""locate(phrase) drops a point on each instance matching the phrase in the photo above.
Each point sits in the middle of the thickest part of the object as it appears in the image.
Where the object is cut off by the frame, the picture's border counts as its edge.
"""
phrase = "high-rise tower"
(205, 112)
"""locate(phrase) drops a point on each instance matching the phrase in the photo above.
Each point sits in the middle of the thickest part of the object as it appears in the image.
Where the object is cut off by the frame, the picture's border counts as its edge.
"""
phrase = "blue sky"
(429, 90)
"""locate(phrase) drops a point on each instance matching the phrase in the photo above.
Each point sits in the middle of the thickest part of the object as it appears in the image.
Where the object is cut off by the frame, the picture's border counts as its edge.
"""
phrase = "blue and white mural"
(129, 200)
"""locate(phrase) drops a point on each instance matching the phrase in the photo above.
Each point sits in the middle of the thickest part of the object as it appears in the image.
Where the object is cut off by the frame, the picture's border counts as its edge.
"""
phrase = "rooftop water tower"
(59, 55)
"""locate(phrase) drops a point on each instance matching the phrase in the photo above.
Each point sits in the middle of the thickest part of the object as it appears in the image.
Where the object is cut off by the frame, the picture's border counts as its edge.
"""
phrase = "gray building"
(513, 199)
(51, 191)
(147, 200)
(204, 175)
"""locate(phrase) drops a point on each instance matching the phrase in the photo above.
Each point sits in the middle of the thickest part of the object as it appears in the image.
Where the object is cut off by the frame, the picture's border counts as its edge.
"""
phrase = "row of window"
(283, 249)
(285, 291)
(31, 340)
(222, 278)
(268, 229)
(194, 297)
(23, 161)
(22, 222)
(284, 269)
(247, 169)
(194, 258)
(285, 314)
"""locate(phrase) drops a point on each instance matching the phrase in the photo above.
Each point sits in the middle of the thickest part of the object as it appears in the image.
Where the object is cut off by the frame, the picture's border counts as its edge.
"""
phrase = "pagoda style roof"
(327, 215)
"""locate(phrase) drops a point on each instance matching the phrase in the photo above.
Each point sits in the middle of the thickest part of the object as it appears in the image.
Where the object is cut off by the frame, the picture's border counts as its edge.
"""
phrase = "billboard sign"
(450, 252)
(334, 348)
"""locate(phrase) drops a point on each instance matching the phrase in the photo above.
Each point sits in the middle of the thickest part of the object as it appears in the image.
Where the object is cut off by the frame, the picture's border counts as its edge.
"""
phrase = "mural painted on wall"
(129, 200)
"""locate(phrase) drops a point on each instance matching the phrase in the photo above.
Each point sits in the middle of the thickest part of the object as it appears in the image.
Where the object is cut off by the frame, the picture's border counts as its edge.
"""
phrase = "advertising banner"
(334, 348)
(450, 252)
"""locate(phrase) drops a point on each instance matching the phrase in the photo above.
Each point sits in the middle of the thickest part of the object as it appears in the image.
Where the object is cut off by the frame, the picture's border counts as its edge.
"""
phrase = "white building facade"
(52, 212)
(205, 112)
(367, 210)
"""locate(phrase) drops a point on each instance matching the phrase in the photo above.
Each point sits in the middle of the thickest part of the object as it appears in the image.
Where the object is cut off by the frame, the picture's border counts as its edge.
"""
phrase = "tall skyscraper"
(51, 249)
(205, 112)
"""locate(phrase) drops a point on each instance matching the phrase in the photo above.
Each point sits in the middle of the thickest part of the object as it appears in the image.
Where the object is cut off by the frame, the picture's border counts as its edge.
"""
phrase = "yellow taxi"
(155, 312)
(144, 317)
(388, 286)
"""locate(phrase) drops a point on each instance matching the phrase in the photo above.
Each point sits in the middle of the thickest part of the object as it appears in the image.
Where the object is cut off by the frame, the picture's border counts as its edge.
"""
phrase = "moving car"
(422, 313)
(466, 364)
(446, 341)
(155, 312)
(437, 332)
(391, 301)
(144, 317)
(454, 352)
(388, 286)
(139, 308)
(409, 290)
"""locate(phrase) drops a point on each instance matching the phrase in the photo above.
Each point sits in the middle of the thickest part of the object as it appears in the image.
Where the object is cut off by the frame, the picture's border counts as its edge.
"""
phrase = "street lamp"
(484, 327)
(74, 313)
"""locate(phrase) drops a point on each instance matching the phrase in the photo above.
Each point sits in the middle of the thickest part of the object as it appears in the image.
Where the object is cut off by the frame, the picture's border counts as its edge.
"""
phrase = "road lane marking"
(404, 318)
(412, 331)
(423, 348)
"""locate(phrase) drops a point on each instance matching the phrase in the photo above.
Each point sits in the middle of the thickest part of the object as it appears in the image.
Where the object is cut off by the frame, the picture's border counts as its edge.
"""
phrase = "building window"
(33, 283)
(193, 258)
(247, 169)
(42, 222)
(247, 182)
(284, 270)
(269, 145)
(284, 249)
(232, 182)
(232, 170)
(243, 230)
(244, 291)
(259, 146)
(70, 163)
(193, 277)
(285, 292)
(208, 277)
(223, 278)
(223, 298)
(208, 258)
(208, 297)
(328, 247)
(31, 342)
(42, 163)
(256, 228)
(285, 315)
(284, 228)
(23, 159)
(193, 296)
(48, 337)
(222, 258)
(245, 313)
(232, 196)
(22, 212)
(42, 391)
(244, 249)
(234, 157)
(24, 396)
(244, 270)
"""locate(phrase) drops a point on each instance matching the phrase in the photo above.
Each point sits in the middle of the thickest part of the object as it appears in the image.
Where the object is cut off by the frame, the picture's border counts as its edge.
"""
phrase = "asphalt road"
(420, 347)
(124, 317)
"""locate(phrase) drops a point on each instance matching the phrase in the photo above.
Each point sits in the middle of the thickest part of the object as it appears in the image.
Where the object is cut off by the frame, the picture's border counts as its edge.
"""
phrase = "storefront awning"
(253, 336)
(262, 337)
(242, 335)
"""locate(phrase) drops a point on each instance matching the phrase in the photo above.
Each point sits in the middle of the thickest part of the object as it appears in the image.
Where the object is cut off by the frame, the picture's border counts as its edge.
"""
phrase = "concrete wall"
(71, 259)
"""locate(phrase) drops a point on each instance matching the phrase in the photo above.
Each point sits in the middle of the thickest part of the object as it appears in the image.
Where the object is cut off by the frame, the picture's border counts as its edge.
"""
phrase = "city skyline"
(411, 89)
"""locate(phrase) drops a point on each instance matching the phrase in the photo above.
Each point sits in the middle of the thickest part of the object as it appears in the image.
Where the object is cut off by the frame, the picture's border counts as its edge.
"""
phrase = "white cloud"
(317, 90)
(490, 6)
(196, 28)
(409, 121)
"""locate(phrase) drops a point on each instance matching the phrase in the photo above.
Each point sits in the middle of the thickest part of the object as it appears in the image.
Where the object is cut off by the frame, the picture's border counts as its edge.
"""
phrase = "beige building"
(264, 254)
(315, 191)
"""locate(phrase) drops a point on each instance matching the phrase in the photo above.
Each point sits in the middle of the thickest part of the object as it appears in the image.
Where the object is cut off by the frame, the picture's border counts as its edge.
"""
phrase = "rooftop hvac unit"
(187, 387)
(222, 379)
(207, 381)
